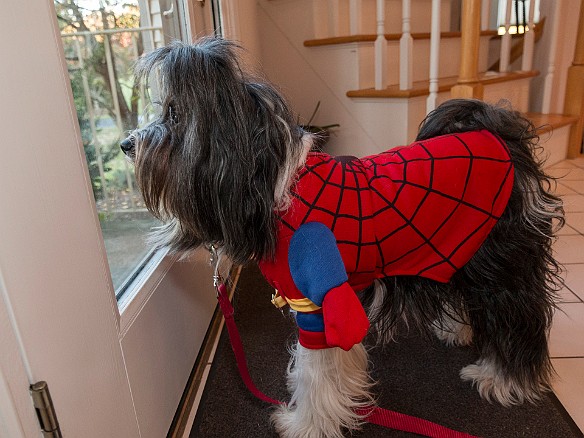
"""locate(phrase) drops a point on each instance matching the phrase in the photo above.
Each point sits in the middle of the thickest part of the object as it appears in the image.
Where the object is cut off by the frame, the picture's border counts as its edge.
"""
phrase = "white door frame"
(110, 374)
(17, 416)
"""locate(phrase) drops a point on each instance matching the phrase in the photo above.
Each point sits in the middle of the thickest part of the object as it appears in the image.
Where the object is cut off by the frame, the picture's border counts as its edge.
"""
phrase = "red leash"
(375, 415)
(237, 346)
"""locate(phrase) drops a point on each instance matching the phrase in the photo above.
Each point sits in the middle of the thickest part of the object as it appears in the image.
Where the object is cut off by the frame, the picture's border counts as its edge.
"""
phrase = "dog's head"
(211, 164)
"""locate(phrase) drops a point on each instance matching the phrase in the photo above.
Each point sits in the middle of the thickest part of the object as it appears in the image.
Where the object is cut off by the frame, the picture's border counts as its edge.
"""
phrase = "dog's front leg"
(328, 387)
(327, 374)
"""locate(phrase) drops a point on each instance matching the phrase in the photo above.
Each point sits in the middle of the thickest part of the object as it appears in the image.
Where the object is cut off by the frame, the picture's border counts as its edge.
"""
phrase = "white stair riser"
(394, 121)
(516, 92)
(555, 145)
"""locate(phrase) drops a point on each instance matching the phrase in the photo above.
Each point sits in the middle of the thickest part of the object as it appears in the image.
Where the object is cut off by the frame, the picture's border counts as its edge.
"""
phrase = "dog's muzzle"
(127, 145)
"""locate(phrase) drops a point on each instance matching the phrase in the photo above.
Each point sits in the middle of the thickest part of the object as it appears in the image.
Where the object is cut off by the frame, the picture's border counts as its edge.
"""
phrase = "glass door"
(113, 370)
(101, 41)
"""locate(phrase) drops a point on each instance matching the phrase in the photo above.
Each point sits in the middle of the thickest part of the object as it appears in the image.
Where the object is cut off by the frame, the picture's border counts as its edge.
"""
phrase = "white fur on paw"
(492, 385)
(455, 334)
(328, 386)
(452, 331)
(294, 423)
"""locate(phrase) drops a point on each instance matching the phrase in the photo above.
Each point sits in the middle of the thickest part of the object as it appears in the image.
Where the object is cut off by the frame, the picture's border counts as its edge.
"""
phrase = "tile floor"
(567, 335)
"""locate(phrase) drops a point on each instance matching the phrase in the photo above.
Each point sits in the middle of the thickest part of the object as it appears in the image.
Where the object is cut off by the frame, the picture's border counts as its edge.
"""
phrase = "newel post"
(574, 102)
(468, 85)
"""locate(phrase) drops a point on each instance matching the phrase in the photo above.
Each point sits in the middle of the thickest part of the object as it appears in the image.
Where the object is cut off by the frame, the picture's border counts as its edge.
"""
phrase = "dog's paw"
(293, 423)
(453, 332)
(456, 334)
(494, 386)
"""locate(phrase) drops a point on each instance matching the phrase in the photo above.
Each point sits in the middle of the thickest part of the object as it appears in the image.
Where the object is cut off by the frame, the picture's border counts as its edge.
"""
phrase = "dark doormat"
(415, 376)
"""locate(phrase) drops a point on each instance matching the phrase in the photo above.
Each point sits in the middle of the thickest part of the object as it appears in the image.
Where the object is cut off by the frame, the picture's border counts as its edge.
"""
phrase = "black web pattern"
(399, 207)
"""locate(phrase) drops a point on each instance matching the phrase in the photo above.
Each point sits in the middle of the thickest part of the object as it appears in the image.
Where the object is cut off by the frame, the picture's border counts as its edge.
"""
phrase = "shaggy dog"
(452, 233)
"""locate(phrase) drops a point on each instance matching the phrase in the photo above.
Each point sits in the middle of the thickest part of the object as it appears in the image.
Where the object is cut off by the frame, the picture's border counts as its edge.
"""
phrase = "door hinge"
(45, 410)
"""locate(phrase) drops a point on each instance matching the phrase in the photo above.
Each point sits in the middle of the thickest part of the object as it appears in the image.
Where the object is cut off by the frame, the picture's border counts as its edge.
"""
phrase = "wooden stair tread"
(547, 122)
(363, 38)
(421, 88)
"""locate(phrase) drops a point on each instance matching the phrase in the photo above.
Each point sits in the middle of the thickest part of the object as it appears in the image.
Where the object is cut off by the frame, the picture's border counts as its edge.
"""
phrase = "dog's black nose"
(127, 144)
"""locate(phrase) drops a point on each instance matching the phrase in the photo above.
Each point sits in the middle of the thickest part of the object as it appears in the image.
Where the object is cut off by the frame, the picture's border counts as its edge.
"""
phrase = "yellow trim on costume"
(302, 305)
(299, 304)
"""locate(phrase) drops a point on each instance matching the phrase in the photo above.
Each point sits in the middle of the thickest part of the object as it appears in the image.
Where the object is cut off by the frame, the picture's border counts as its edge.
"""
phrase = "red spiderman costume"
(422, 209)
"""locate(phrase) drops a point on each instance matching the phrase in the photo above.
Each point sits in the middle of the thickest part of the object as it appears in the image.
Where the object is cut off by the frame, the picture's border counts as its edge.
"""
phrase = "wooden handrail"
(574, 102)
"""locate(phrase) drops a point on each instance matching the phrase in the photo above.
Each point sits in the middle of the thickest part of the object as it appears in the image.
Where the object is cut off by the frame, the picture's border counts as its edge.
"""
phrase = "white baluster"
(529, 40)
(355, 7)
(506, 40)
(549, 78)
(485, 14)
(380, 48)
(406, 49)
(333, 17)
(320, 19)
(434, 56)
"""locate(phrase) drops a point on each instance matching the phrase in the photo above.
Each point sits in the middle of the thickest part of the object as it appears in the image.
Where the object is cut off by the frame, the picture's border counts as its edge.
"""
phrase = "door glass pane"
(101, 40)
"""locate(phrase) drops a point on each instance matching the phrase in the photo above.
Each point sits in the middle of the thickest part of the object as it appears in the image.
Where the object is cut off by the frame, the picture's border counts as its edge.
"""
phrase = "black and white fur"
(216, 167)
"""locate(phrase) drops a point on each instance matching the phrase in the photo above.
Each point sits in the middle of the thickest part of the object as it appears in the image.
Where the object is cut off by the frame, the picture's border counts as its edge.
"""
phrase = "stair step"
(421, 88)
(548, 122)
(363, 38)
(554, 132)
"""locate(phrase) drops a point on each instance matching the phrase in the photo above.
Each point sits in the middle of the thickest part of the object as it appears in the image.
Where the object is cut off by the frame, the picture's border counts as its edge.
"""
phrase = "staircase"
(378, 66)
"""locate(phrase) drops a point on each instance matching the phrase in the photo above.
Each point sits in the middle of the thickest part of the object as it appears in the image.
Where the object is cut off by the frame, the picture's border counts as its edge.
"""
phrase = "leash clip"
(214, 260)
(278, 301)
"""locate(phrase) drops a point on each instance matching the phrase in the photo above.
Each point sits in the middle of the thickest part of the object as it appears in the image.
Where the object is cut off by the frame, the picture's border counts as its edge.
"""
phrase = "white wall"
(309, 75)
(569, 10)
(285, 25)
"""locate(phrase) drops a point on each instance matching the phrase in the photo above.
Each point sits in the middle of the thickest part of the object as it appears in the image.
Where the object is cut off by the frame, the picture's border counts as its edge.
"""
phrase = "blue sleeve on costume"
(315, 261)
(312, 322)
